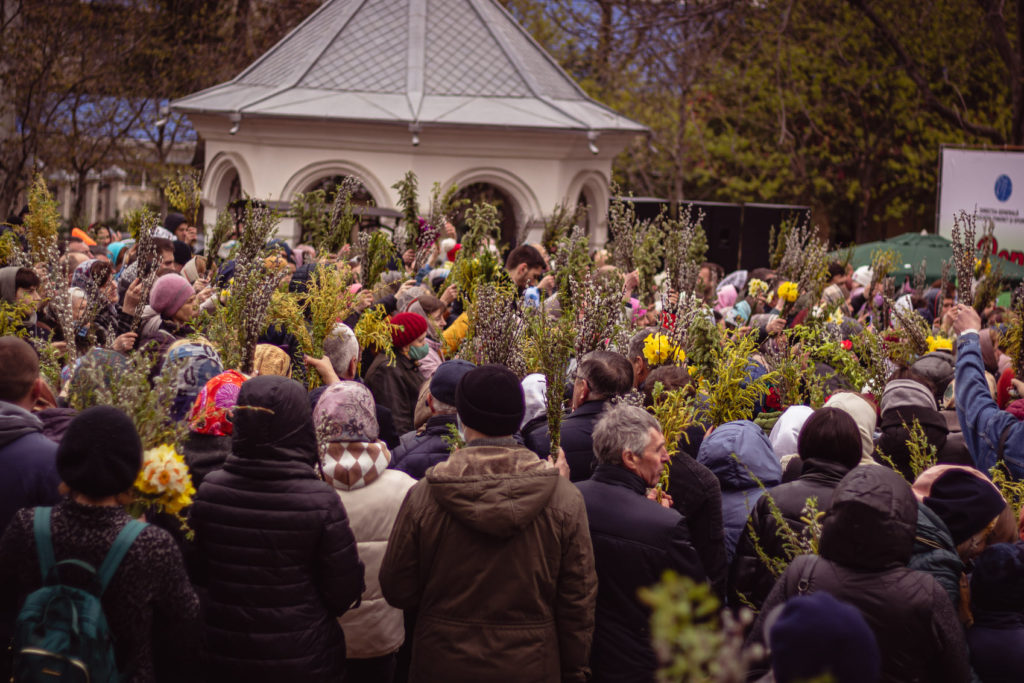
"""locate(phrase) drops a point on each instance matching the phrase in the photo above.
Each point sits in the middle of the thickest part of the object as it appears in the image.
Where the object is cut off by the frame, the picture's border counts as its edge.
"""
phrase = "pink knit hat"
(169, 293)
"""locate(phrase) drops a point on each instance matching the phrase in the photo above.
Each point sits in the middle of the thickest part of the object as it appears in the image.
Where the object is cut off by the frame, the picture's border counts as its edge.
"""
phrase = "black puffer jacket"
(278, 555)
(635, 541)
(696, 493)
(866, 542)
(749, 577)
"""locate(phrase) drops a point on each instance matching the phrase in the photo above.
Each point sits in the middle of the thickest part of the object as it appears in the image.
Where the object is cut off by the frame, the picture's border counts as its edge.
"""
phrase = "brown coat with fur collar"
(492, 549)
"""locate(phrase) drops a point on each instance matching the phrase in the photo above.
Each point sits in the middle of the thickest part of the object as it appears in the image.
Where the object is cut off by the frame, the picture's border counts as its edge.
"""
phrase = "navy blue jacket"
(635, 540)
(576, 439)
(996, 642)
(28, 463)
(417, 454)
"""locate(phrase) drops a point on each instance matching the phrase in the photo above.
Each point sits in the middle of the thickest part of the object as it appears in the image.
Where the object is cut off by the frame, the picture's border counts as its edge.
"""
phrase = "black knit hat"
(172, 221)
(997, 582)
(490, 400)
(965, 502)
(182, 252)
(100, 454)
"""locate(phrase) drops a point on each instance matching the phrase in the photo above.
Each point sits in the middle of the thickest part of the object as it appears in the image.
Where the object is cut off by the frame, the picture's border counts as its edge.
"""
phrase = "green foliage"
(377, 253)
(694, 638)
(1012, 489)
(484, 222)
(328, 216)
(328, 301)
(373, 331)
(12, 318)
(703, 339)
(571, 257)
(453, 439)
(469, 272)
(96, 383)
(220, 234)
(558, 226)
(42, 221)
(184, 192)
(409, 201)
(235, 326)
(11, 253)
(729, 393)
(548, 350)
(443, 205)
(922, 452)
(675, 411)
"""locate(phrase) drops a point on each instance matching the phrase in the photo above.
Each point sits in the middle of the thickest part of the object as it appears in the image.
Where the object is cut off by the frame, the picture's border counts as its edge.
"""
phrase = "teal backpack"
(61, 632)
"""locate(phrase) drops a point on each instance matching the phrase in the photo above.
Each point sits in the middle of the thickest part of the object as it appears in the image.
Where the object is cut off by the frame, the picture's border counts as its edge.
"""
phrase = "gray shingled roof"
(461, 62)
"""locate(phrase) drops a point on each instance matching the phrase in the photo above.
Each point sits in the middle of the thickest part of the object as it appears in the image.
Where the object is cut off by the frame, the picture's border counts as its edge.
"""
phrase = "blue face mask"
(419, 352)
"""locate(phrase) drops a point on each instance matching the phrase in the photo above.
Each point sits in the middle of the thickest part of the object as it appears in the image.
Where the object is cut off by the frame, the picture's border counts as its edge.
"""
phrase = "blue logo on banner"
(1004, 187)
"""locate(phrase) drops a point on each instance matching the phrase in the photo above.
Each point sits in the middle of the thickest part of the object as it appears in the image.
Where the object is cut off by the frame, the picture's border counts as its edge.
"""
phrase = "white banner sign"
(989, 183)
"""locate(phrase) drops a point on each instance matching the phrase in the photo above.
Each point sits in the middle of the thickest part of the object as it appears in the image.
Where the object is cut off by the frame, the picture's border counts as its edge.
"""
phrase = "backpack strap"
(117, 551)
(44, 543)
(804, 584)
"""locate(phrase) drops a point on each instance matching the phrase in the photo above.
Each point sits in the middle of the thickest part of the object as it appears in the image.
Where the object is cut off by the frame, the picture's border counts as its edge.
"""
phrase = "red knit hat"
(1003, 387)
(406, 328)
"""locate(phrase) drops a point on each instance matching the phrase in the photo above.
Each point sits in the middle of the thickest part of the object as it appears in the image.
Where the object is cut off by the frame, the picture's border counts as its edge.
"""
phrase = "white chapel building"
(454, 90)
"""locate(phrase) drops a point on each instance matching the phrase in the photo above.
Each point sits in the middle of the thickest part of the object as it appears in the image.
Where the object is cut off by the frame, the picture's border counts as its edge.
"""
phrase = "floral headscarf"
(211, 413)
(346, 425)
(81, 278)
(193, 365)
(346, 412)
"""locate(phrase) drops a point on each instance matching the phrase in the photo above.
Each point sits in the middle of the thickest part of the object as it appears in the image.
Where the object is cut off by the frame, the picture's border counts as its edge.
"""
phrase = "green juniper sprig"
(549, 344)
(409, 201)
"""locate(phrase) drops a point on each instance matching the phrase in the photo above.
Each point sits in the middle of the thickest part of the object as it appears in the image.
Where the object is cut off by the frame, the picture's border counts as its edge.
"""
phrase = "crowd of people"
(401, 513)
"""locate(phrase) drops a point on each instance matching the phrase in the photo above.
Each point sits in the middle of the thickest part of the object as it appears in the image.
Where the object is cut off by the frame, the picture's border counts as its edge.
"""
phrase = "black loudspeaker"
(737, 233)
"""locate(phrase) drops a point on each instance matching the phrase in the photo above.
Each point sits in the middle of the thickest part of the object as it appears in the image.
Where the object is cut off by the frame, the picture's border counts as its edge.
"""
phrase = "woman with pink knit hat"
(167, 316)
(398, 386)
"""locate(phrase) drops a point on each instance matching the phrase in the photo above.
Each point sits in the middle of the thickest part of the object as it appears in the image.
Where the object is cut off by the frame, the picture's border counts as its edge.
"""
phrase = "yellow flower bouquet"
(163, 483)
(788, 292)
(939, 343)
(659, 350)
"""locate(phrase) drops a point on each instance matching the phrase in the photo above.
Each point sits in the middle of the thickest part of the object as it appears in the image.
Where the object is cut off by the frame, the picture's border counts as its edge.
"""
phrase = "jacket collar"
(504, 441)
(589, 408)
(823, 471)
(617, 475)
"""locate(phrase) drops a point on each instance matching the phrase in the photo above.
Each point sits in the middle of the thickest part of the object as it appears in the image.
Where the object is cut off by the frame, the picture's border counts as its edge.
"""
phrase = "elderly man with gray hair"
(340, 363)
(635, 540)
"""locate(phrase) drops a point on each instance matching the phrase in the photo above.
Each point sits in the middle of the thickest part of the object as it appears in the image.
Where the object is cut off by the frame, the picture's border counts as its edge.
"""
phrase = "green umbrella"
(912, 248)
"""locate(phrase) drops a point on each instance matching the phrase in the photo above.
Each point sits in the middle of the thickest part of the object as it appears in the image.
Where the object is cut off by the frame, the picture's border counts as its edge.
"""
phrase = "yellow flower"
(659, 349)
(977, 267)
(756, 287)
(164, 479)
(939, 344)
(788, 291)
(835, 317)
